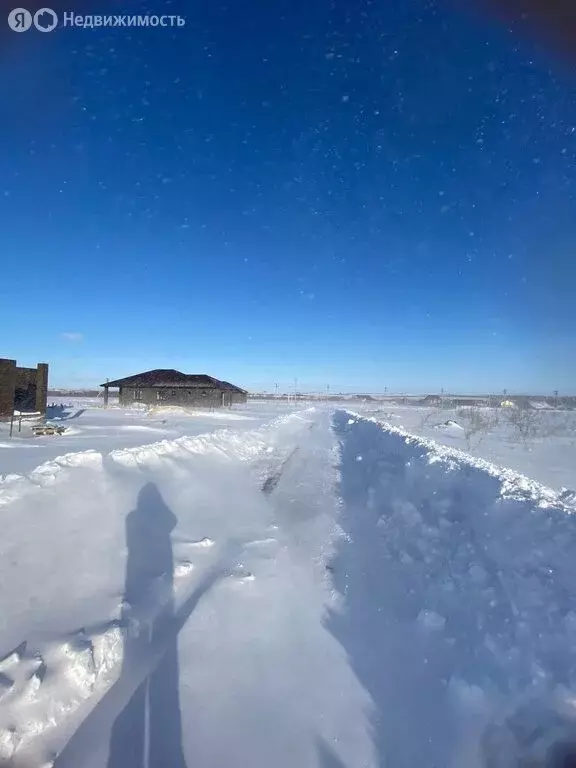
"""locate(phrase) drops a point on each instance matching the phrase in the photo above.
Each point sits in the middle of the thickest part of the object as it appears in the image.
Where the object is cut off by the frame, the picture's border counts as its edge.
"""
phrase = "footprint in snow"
(183, 569)
(246, 576)
(261, 542)
(240, 574)
(201, 543)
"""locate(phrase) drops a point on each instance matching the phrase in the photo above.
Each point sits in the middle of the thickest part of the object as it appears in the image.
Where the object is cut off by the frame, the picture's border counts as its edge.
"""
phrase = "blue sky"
(361, 195)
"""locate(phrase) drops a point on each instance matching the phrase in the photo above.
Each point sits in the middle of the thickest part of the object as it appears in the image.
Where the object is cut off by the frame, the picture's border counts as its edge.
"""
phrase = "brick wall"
(42, 387)
(193, 398)
(25, 393)
(23, 389)
(7, 386)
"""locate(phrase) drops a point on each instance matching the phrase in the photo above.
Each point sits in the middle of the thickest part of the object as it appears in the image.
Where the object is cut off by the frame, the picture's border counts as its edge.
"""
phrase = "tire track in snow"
(271, 482)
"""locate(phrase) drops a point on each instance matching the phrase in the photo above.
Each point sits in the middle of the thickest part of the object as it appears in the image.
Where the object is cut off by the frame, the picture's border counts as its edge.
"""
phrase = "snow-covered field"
(89, 426)
(540, 444)
(279, 587)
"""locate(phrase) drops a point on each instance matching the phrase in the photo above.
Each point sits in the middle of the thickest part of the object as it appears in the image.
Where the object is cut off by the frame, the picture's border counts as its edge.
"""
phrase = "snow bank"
(108, 429)
(548, 455)
(225, 415)
(460, 585)
(63, 541)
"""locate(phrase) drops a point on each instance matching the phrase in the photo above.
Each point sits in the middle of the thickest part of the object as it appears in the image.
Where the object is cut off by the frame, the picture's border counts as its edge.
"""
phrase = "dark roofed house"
(237, 394)
(433, 400)
(165, 386)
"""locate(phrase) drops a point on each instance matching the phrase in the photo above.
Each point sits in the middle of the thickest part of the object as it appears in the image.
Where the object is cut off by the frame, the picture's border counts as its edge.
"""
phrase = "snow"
(459, 581)
(549, 455)
(293, 587)
(89, 425)
(431, 620)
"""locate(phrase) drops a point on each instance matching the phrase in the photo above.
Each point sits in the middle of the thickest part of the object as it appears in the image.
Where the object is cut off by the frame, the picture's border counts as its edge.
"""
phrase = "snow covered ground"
(89, 426)
(306, 588)
(540, 444)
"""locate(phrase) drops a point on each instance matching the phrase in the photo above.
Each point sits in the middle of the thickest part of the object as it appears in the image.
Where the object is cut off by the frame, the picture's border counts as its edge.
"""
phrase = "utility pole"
(276, 388)
(556, 398)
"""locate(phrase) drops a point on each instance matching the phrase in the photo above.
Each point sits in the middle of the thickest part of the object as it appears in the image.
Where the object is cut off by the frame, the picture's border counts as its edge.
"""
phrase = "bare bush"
(476, 424)
(557, 424)
(527, 423)
(426, 418)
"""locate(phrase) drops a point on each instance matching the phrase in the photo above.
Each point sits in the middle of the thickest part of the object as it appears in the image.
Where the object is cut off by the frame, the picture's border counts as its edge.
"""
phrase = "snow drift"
(460, 587)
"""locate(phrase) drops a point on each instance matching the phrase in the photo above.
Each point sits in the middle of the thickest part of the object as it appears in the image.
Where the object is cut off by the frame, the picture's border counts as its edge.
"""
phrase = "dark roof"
(233, 388)
(167, 377)
(430, 399)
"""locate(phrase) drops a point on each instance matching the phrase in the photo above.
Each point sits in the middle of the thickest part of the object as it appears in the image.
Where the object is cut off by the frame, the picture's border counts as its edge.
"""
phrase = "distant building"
(169, 387)
(453, 401)
(22, 389)
(470, 402)
(433, 400)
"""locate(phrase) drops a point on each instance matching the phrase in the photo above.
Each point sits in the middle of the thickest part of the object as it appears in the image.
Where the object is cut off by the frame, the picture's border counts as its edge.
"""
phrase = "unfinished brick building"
(22, 389)
(165, 386)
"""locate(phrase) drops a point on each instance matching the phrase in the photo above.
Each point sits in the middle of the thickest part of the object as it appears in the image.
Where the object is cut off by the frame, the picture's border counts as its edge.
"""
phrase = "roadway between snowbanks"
(325, 591)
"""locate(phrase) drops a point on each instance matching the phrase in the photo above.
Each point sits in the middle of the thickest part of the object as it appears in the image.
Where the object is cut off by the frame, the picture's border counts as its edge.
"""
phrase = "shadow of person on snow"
(148, 733)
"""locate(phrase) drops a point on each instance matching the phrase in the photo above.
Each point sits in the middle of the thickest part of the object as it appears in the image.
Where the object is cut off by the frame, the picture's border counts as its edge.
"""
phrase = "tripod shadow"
(148, 733)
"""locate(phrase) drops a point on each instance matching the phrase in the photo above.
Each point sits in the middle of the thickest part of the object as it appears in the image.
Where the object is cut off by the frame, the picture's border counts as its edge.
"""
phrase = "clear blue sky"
(360, 194)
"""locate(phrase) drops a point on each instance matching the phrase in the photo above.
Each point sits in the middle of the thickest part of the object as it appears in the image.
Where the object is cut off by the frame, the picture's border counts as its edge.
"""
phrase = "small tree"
(526, 423)
(426, 418)
(476, 424)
